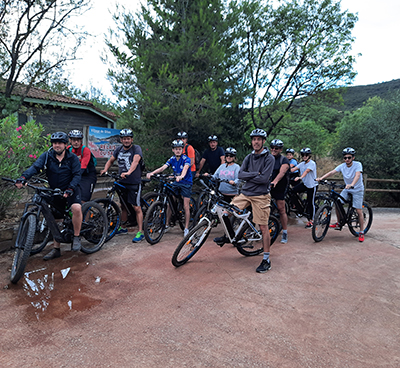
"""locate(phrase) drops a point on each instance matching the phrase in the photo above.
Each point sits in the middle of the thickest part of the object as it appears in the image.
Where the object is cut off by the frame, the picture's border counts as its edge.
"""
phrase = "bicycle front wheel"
(23, 246)
(321, 223)
(354, 224)
(191, 243)
(94, 227)
(248, 243)
(274, 227)
(42, 234)
(147, 200)
(155, 222)
(113, 213)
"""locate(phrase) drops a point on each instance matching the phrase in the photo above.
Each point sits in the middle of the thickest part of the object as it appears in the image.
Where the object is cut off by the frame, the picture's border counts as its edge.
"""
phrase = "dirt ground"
(330, 304)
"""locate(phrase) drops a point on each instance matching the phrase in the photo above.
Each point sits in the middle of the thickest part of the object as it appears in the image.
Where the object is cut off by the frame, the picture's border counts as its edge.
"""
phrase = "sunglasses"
(347, 157)
(304, 154)
(228, 155)
(276, 148)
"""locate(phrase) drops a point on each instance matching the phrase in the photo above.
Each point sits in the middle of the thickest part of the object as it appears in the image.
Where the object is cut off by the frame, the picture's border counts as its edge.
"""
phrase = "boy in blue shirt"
(180, 165)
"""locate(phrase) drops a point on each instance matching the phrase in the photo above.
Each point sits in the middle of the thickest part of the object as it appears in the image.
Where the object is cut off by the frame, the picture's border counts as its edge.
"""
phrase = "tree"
(36, 37)
(294, 50)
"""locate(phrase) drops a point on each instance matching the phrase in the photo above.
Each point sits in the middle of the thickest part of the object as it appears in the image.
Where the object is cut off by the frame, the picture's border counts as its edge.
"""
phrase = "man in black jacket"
(63, 171)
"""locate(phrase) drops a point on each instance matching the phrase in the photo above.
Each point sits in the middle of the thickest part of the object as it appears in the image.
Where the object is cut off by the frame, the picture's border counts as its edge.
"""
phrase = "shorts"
(87, 184)
(185, 190)
(279, 192)
(260, 206)
(60, 203)
(358, 197)
(131, 194)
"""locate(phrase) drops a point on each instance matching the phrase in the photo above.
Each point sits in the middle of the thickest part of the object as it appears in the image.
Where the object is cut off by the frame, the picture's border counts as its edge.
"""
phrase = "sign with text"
(103, 141)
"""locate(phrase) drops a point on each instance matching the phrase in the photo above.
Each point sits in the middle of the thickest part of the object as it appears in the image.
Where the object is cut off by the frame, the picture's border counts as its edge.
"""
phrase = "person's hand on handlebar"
(20, 182)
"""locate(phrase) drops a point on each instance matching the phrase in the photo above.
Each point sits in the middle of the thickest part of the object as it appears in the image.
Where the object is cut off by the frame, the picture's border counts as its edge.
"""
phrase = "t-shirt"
(309, 179)
(294, 163)
(282, 184)
(178, 165)
(213, 158)
(125, 159)
(350, 172)
(84, 158)
(189, 151)
(230, 172)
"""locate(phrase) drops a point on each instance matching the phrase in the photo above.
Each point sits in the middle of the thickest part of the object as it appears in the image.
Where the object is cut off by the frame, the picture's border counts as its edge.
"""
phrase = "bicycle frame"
(337, 200)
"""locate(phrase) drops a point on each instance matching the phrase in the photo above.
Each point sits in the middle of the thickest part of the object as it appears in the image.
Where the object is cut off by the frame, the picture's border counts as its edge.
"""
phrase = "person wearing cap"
(63, 171)
(213, 156)
(128, 157)
(88, 168)
(189, 151)
(180, 165)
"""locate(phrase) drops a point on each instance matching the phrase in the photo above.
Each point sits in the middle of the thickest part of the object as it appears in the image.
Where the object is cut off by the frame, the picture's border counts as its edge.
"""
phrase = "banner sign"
(103, 141)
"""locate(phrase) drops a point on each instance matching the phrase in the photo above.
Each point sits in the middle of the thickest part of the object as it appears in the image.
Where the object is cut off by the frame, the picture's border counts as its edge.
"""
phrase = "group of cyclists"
(265, 173)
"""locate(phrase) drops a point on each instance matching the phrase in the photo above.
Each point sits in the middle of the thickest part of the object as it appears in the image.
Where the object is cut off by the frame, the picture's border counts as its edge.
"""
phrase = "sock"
(266, 256)
(284, 231)
(139, 233)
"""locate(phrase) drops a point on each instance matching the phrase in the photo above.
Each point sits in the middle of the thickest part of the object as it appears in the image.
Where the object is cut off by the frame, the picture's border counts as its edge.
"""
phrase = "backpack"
(197, 156)
(93, 159)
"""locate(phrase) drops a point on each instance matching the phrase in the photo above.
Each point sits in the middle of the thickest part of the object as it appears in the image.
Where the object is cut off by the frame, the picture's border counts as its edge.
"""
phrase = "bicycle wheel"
(155, 222)
(42, 234)
(113, 213)
(94, 227)
(23, 246)
(247, 243)
(147, 200)
(191, 243)
(321, 223)
(274, 227)
(181, 213)
(354, 225)
(200, 214)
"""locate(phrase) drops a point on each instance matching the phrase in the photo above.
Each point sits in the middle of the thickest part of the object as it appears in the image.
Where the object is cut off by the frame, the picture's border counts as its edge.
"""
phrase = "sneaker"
(54, 253)
(185, 232)
(121, 231)
(360, 237)
(335, 226)
(76, 244)
(167, 228)
(284, 238)
(264, 266)
(139, 237)
(221, 240)
(309, 225)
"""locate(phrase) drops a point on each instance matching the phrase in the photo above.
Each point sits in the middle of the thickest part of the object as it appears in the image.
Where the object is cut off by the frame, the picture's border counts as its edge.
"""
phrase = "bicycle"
(113, 210)
(244, 236)
(39, 217)
(156, 217)
(298, 204)
(323, 216)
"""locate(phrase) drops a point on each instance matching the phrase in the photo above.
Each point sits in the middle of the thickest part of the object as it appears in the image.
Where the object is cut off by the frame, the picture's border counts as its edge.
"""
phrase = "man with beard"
(63, 171)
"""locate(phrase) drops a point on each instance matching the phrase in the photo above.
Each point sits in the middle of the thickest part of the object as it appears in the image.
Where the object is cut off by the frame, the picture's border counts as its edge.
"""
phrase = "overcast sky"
(376, 34)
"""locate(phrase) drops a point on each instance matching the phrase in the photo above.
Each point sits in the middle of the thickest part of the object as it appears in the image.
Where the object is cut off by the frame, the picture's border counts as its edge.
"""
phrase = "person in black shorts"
(63, 171)
(279, 183)
(213, 156)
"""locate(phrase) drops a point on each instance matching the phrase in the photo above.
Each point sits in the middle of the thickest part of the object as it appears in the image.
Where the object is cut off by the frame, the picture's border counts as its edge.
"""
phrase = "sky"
(376, 38)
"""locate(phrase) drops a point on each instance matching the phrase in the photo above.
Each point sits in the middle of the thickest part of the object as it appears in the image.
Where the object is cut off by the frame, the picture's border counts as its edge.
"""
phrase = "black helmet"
(59, 137)
(290, 150)
(258, 133)
(182, 135)
(230, 151)
(177, 143)
(276, 143)
(306, 151)
(349, 151)
(75, 134)
(126, 133)
(212, 138)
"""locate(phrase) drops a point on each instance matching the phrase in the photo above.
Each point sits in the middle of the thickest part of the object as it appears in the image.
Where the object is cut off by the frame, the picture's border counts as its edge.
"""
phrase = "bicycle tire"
(321, 223)
(42, 234)
(154, 223)
(113, 213)
(94, 227)
(200, 214)
(353, 224)
(23, 246)
(274, 227)
(191, 244)
(147, 200)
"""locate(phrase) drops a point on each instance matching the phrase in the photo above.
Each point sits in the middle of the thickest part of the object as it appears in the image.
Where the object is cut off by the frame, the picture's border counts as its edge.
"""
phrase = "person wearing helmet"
(293, 163)
(213, 156)
(88, 168)
(352, 176)
(256, 171)
(188, 150)
(180, 165)
(228, 171)
(308, 174)
(279, 183)
(63, 171)
(128, 157)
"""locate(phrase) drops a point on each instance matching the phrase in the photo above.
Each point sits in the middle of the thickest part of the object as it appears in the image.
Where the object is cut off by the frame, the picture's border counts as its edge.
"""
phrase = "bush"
(20, 146)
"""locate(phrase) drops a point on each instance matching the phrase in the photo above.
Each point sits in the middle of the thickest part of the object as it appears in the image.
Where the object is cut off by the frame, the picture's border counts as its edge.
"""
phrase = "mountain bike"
(350, 217)
(39, 216)
(244, 236)
(297, 203)
(113, 210)
(155, 220)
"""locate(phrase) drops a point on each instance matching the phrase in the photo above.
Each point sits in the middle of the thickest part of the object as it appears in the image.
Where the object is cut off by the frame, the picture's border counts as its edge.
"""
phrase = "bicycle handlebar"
(56, 191)
(333, 184)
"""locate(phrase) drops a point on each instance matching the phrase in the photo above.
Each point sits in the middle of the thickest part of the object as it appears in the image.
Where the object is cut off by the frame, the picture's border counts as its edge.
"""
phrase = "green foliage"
(20, 146)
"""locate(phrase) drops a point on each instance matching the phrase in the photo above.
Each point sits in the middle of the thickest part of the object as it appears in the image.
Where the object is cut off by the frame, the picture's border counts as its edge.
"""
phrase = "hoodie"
(256, 170)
